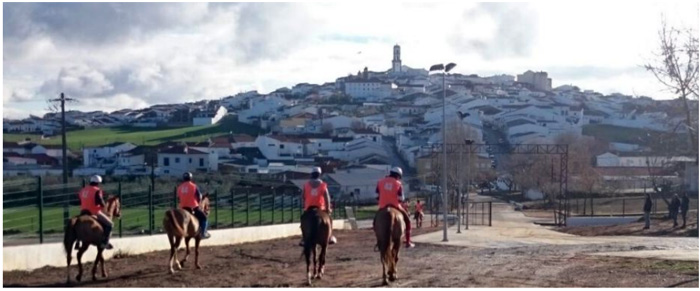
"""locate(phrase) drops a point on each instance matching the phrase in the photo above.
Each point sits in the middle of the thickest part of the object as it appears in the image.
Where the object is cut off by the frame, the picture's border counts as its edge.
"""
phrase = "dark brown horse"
(87, 231)
(316, 231)
(179, 224)
(389, 229)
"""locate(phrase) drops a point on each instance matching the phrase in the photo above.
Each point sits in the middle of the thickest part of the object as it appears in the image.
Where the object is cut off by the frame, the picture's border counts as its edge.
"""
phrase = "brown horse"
(179, 224)
(316, 231)
(389, 230)
(418, 216)
(87, 231)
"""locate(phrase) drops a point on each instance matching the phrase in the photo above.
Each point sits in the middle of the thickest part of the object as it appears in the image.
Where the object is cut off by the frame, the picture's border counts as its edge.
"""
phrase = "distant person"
(92, 202)
(673, 209)
(190, 197)
(418, 215)
(316, 195)
(685, 201)
(390, 194)
(647, 211)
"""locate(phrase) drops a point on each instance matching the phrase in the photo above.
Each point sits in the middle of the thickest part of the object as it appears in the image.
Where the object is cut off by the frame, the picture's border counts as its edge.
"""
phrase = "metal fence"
(620, 206)
(36, 213)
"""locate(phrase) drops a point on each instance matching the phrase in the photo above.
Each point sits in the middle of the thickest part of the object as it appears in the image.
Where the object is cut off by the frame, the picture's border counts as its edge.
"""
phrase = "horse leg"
(196, 252)
(175, 249)
(313, 252)
(69, 258)
(187, 251)
(97, 261)
(81, 251)
(102, 266)
(395, 255)
(307, 254)
(322, 261)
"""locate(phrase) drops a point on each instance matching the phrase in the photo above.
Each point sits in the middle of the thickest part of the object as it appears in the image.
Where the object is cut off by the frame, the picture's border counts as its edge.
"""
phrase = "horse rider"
(92, 202)
(189, 196)
(390, 193)
(419, 210)
(316, 195)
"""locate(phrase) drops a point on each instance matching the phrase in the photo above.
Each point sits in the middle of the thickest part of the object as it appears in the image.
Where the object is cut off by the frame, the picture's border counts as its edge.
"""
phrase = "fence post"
(216, 209)
(283, 207)
(41, 210)
(623, 207)
(247, 207)
(490, 211)
(175, 197)
(233, 206)
(121, 199)
(150, 211)
(260, 208)
(274, 196)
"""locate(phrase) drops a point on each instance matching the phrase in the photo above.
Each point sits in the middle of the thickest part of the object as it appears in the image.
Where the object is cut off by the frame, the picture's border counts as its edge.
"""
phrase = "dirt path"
(353, 263)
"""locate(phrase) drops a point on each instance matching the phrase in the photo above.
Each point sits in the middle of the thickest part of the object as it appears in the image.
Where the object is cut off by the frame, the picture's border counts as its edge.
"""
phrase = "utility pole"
(63, 100)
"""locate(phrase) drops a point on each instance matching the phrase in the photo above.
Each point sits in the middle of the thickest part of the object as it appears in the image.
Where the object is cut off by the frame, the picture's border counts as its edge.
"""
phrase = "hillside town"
(358, 126)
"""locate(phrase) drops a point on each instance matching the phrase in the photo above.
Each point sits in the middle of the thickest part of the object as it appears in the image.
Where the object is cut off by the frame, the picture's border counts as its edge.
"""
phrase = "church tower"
(396, 62)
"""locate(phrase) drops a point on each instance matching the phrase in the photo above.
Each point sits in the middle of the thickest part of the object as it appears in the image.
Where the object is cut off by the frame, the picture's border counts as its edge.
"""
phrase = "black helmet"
(187, 176)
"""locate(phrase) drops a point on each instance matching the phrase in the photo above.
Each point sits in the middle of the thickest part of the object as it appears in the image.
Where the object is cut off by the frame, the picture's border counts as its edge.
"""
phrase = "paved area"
(512, 229)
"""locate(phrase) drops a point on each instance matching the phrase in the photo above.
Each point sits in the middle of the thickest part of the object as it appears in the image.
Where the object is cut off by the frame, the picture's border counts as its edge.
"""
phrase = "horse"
(87, 231)
(316, 231)
(389, 229)
(418, 216)
(179, 224)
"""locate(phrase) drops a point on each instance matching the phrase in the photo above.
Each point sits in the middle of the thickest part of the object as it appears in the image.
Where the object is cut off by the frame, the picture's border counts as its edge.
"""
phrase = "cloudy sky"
(131, 55)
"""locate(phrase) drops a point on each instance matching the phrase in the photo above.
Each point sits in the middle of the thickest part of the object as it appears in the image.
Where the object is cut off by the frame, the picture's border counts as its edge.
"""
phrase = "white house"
(371, 89)
(609, 159)
(94, 156)
(209, 117)
(279, 147)
(177, 160)
(360, 182)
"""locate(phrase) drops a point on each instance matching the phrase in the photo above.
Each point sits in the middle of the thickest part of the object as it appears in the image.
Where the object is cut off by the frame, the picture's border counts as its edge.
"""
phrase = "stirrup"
(205, 235)
(332, 240)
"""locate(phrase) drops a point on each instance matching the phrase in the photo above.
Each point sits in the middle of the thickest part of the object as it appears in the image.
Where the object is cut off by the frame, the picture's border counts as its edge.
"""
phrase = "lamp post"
(445, 69)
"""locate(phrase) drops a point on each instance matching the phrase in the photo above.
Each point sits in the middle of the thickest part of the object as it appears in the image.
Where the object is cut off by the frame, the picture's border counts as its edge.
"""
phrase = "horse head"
(205, 204)
(114, 206)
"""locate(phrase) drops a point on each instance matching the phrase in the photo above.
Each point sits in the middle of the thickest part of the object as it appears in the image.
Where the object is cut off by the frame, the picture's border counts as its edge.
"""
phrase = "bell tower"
(396, 62)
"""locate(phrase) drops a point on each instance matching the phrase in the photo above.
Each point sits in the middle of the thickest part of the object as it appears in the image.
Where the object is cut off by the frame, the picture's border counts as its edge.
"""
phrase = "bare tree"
(460, 166)
(676, 67)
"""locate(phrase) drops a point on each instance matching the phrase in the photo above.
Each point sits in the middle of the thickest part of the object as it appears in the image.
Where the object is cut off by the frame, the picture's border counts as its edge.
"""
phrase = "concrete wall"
(29, 257)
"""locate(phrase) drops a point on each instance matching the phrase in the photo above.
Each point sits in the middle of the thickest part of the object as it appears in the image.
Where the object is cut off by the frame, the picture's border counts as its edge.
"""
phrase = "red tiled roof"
(243, 138)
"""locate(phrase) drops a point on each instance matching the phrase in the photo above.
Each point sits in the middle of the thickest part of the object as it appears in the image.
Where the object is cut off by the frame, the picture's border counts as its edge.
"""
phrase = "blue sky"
(131, 55)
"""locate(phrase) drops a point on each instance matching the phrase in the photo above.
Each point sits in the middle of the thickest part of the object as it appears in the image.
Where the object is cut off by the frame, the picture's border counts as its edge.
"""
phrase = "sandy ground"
(353, 263)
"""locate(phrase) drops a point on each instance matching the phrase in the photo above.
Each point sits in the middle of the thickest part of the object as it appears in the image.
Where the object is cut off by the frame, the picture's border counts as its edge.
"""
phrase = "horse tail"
(179, 231)
(69, 236)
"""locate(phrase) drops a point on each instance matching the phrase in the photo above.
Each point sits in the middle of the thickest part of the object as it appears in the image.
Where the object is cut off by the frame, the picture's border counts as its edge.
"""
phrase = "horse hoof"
(77, 278)
(178, 266)
(94, 278)
(385, 283)
(172, 271)
(199, 267)
(392, 278)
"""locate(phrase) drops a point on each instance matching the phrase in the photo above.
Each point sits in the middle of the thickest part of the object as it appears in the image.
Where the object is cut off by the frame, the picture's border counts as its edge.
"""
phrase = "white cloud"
(142, 54)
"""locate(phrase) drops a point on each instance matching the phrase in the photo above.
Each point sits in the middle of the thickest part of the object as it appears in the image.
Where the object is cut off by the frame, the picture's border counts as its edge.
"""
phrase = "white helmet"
(96, 179)
(396, 170)
(316, 170)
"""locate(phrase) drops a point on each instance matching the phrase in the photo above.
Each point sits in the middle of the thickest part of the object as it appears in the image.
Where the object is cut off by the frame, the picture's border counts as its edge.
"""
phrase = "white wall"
(30, 257)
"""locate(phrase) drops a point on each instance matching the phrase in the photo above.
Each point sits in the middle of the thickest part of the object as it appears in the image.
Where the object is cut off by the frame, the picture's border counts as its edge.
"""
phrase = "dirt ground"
(658, 227)
(353, 263)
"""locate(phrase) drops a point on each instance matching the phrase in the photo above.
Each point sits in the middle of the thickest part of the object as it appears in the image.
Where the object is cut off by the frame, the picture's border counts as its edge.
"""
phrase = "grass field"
(141, 136)
(24, 221)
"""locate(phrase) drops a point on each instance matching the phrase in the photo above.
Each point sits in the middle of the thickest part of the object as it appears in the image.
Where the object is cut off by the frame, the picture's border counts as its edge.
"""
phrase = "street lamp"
(445, 69)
